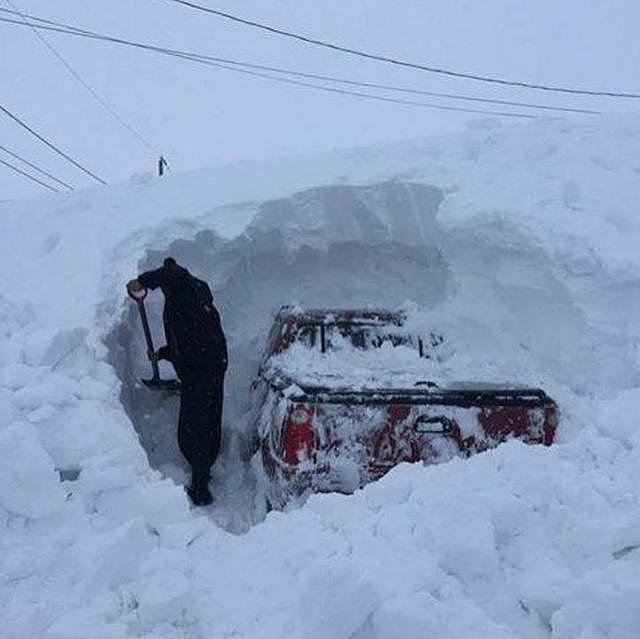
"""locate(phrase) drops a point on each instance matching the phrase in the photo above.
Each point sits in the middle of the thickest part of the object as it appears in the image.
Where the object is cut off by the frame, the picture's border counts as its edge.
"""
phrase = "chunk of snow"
(29, 485)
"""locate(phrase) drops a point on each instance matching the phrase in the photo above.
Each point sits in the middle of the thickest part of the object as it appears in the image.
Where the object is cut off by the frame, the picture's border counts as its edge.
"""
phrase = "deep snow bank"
(380, 246)
(530, 239)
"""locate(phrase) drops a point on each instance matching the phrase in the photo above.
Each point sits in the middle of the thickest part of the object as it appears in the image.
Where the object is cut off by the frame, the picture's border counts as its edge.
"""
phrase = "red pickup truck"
(343, 396)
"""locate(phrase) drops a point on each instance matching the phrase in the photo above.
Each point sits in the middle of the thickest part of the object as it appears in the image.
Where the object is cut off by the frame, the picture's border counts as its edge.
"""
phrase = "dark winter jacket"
(195, 341)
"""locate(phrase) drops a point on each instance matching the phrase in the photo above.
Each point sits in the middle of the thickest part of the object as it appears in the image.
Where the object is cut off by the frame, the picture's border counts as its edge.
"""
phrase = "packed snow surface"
(518, 245)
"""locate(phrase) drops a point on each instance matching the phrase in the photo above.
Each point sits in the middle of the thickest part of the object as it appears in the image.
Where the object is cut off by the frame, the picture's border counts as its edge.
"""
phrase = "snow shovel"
(171, 386)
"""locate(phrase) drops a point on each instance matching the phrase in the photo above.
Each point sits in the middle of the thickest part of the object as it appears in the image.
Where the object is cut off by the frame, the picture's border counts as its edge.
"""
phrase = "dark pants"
(200, 421)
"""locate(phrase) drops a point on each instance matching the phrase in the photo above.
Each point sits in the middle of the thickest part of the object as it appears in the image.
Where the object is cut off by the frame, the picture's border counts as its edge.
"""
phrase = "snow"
(387, 366)
(359, 369)
(519, 244)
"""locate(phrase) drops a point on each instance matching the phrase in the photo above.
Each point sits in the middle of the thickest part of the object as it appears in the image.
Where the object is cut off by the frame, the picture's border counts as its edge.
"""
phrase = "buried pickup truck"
(343, 396)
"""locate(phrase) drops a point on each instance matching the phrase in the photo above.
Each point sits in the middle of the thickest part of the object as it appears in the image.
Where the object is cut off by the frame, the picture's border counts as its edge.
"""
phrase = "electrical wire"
(35, 167)
(28, 176)
(24, 125)
(359, 94)
(388, 87)
(197, 57)
(105, 105)
(328, 78)
(203, 60)
(398, 62)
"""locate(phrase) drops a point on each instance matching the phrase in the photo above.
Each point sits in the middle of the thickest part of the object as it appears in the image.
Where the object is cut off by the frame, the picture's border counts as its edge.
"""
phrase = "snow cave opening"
(332, 246)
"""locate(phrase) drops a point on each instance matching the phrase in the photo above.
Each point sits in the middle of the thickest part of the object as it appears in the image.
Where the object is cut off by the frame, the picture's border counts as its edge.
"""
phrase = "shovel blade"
(171, 386)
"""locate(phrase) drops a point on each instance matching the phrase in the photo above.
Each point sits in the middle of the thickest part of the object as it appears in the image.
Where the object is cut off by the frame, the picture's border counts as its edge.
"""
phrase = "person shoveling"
(197, 349)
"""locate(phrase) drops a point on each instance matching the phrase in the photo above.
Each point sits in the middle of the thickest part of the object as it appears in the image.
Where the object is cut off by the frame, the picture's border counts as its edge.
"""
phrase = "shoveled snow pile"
(518, 245)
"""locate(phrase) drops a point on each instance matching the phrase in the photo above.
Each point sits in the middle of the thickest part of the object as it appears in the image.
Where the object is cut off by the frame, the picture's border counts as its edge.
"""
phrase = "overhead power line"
(35, 167)
(202, 59)
(28, 176)
(105, 105)
(242, 67)
(398, 62)
(397, 89)
(360, 94)
(24, 125)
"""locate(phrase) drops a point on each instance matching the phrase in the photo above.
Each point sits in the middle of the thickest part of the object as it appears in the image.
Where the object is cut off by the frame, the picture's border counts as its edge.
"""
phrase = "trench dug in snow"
(502, 306)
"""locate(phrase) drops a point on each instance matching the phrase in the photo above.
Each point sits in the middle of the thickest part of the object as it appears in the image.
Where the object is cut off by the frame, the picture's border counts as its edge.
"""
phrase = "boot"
(199, 493)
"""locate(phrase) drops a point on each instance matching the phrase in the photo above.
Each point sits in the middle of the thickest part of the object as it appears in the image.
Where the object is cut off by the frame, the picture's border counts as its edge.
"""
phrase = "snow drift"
(518, 244)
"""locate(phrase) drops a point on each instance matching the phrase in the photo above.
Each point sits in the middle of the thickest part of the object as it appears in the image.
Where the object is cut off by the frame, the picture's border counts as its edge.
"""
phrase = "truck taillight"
(550, 424)
(299, 439)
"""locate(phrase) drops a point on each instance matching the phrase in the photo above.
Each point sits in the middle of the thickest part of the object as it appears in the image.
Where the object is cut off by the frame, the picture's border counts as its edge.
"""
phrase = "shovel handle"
(147, 335)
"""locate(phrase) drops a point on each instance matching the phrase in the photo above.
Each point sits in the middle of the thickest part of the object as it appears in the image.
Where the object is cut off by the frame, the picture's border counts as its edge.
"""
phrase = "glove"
(136, 290)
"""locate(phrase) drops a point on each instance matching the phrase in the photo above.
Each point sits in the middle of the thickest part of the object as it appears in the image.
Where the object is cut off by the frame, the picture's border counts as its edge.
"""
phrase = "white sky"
(200, 116)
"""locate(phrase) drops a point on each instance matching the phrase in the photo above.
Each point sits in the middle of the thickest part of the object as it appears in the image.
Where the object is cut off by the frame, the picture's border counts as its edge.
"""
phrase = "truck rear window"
(336, 336)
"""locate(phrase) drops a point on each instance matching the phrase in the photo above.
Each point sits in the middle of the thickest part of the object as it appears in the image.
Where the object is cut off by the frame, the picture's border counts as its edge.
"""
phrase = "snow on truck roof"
(382, 365)
(383, 369)
(329, 316)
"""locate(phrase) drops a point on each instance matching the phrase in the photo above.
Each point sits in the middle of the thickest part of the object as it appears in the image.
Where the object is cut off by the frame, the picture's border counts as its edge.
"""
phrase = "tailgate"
(380, 429)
